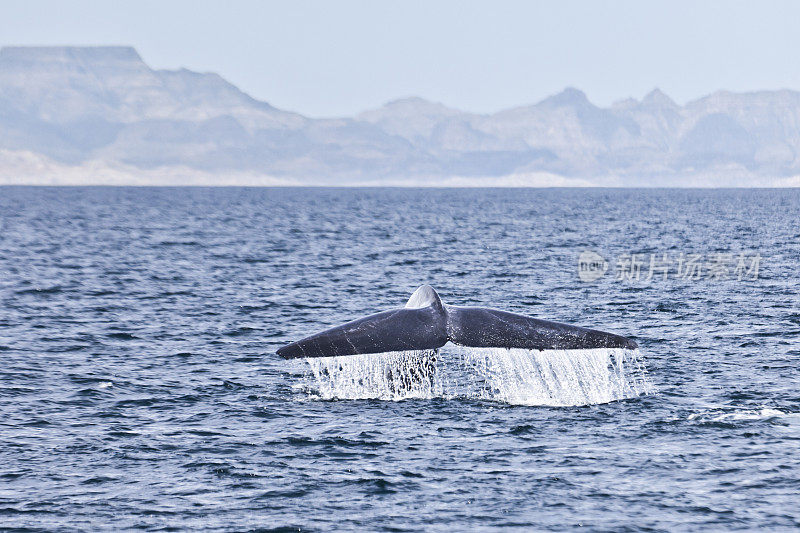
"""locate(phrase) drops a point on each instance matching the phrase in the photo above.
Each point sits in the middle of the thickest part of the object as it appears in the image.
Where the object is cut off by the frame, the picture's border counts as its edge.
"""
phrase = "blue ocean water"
(139, 386)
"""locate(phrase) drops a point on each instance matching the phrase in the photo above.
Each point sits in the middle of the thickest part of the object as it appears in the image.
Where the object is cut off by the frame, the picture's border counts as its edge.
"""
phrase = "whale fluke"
(425, 323)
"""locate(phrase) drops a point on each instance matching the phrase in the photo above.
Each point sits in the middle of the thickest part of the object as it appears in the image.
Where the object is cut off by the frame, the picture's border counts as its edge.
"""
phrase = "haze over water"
(139, 387)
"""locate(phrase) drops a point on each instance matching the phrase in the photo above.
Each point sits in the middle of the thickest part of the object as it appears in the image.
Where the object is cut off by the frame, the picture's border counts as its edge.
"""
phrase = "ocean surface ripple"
(139, 386)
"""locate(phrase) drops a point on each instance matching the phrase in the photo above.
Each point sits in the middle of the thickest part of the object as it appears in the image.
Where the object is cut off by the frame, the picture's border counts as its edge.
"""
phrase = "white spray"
(510, 375)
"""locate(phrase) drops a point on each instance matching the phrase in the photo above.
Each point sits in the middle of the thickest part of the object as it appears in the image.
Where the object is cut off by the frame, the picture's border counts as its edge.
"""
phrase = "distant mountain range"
(90, 115)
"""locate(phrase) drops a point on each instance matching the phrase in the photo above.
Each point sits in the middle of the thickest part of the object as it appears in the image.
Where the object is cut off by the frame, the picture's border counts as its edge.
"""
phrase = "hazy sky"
(326, 58)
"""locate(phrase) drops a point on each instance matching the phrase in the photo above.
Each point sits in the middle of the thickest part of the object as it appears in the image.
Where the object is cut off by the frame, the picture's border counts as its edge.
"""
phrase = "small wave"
(101, 292)
(340, 442)
(375, 485)
(239, 332)
(509, 375)
(41, 290)
(179, 243)
(97, 480)
(122, 336)
(736, 414)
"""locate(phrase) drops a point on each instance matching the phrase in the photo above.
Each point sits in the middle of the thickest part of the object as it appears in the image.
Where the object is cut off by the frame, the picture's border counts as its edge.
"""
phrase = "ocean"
(139, 386)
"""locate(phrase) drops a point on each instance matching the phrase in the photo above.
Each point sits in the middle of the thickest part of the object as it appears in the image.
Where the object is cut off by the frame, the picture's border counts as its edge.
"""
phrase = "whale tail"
(425, 323)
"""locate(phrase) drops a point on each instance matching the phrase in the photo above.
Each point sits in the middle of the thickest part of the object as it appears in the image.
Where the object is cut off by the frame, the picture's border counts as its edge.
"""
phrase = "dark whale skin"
(427, 324)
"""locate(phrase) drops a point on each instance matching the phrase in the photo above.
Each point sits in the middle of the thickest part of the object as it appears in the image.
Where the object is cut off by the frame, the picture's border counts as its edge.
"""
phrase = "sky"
(326, 58)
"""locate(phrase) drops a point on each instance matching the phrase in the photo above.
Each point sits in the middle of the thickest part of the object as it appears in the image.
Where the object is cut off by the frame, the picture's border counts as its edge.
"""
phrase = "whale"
(425, 323)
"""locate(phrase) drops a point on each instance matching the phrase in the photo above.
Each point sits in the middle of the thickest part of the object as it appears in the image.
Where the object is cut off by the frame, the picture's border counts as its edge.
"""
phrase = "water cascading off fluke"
(510, 375)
